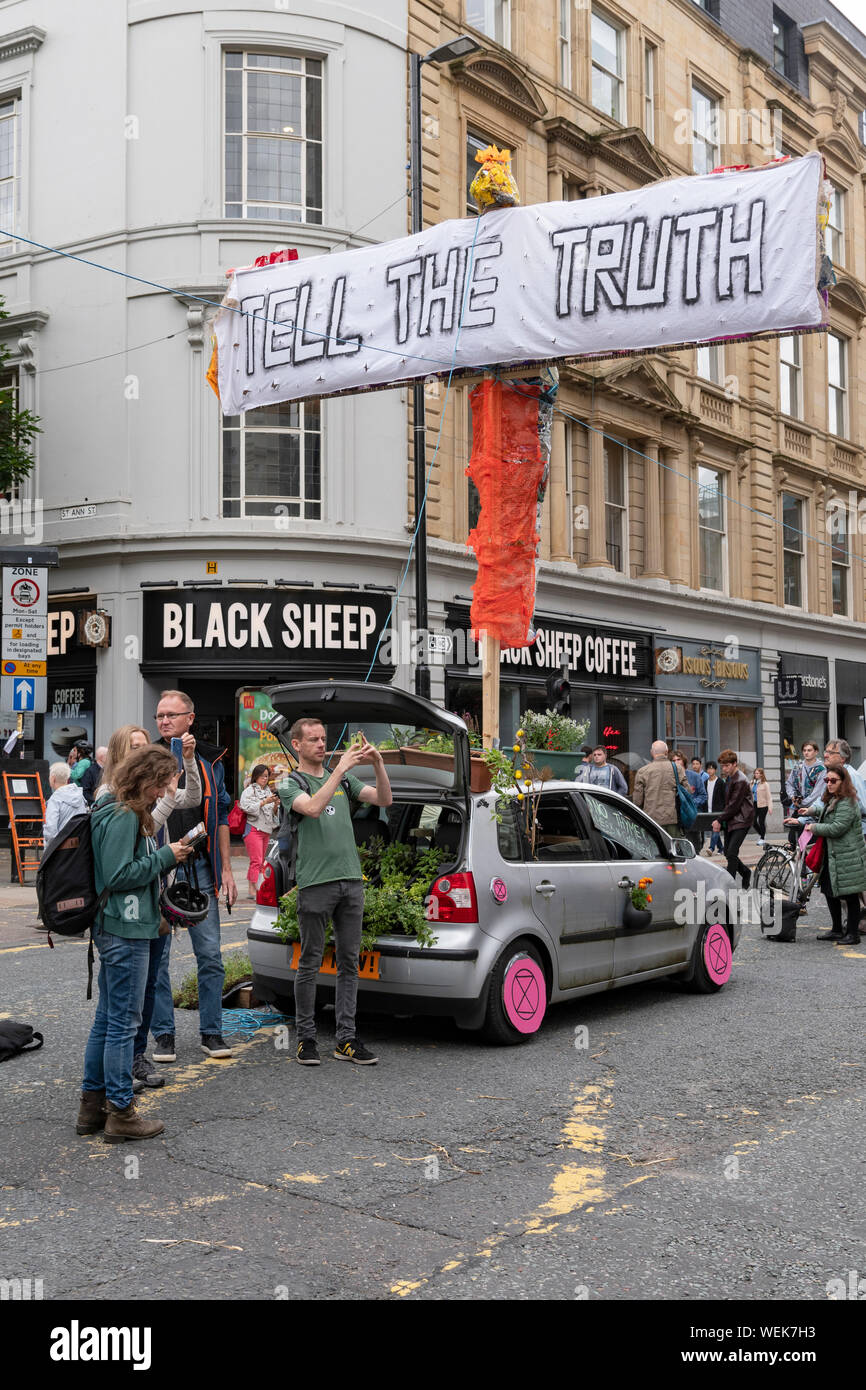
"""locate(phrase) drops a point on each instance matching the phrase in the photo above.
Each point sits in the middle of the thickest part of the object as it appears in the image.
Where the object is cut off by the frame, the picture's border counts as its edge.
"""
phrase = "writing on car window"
(626, 833)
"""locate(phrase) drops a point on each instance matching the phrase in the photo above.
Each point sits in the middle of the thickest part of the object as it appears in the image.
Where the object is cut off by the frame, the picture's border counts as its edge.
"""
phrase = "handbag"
(815, 855)
(687, 811)
(237, 820)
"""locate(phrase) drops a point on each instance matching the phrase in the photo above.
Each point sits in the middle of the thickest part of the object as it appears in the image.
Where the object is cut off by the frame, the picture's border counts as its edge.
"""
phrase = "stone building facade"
(691, 493)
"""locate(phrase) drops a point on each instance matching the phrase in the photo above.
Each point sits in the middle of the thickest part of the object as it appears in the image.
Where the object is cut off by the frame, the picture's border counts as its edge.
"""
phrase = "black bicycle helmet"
(182, 904)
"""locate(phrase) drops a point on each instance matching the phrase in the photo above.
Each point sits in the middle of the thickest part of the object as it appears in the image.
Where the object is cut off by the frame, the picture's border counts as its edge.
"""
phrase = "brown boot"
(128, 1124)
(91, 1112)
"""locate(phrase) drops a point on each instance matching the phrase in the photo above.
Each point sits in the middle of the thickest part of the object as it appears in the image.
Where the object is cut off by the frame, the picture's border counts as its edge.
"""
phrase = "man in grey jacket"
(600, 773)
(655, 788)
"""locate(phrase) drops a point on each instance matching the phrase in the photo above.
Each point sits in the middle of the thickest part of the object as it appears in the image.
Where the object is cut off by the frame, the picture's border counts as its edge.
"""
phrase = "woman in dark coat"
(843, 867)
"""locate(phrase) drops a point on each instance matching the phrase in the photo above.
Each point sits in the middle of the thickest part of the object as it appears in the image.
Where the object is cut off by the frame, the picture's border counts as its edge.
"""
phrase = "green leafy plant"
(554, 733)
(238, 968)
(17, 431)
(396, 880)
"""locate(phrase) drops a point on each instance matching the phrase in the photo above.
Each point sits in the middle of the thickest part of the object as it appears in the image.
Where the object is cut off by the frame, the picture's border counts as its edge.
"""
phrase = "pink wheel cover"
(718, 956)
(524, 994)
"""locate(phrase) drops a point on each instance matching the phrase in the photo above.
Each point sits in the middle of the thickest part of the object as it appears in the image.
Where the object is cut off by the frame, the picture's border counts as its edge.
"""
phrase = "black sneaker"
(829, 936)
(164, 1049)
(142, 1070)
(355, 1051)
(308, 1053)
(214, 1045)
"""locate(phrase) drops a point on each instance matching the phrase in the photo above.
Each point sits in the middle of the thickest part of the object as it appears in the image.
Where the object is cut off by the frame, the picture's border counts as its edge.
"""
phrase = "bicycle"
(783, 870)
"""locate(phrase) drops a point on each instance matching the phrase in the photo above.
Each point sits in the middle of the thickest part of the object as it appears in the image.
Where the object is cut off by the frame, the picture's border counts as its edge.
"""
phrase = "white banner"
(684, 261)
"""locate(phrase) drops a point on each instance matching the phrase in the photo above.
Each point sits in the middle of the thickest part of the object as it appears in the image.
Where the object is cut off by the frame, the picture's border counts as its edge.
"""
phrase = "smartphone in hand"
(177, 750)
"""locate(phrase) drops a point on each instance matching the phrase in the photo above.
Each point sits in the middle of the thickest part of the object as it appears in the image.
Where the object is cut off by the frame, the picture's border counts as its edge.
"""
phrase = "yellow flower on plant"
(520, 796)
(517, 747)
(519, 734)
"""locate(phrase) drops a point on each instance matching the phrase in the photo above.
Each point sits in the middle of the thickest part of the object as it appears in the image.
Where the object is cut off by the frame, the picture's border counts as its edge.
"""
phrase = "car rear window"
(508, 830)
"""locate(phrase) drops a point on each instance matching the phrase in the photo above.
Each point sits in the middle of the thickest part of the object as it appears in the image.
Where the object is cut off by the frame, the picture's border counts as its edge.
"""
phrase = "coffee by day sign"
(263, 627)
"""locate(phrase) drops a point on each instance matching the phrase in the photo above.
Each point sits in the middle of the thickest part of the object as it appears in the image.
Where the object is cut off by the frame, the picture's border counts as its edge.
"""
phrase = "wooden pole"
(489, 690)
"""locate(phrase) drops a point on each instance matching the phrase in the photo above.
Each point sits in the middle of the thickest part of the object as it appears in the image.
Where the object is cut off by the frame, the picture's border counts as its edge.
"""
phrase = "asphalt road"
(697, 1147)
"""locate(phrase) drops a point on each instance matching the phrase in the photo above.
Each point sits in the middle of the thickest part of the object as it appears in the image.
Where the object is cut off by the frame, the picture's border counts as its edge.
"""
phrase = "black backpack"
(287, 832)
(66, 888)
(17, 1037)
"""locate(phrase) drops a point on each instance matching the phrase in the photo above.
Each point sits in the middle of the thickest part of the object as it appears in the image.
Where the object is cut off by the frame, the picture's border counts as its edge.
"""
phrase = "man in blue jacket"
(175, 715)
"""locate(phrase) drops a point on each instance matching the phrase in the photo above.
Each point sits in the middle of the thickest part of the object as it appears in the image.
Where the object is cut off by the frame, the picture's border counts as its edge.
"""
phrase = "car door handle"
(625, 883)
(545, 887)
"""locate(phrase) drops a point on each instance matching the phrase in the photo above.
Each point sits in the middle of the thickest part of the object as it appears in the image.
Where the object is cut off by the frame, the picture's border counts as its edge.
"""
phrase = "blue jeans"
(123, 967)
(716, 841)
(157, 947)
(205, 938)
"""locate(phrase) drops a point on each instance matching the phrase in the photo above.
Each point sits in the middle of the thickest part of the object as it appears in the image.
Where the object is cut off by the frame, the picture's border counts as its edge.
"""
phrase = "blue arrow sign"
(22, 695)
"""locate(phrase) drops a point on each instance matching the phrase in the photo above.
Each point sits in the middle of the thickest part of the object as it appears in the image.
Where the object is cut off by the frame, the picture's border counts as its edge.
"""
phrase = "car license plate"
(368, 963)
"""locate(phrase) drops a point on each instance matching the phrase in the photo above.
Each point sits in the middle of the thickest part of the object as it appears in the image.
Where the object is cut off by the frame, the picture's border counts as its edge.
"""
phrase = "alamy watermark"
(22, 517)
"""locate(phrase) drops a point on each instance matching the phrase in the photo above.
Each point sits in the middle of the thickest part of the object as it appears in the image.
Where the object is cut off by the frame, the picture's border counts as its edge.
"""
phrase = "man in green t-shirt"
(330, 882)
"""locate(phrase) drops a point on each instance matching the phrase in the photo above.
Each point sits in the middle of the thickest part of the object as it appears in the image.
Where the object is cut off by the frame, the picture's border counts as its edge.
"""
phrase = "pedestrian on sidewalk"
(715, 802)
(655, 788)
(93, 776)
(66, 800)
(843, 864)
(330, 882)
(737, 814)
(763, 799)
(262, 809)
(804, 784)
(175, 715)
(128, 863)
(699, 795)
(79, 760)
(598, 772)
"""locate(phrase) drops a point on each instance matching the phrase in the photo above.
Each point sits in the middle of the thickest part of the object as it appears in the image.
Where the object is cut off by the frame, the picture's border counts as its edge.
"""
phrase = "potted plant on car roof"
(554, 741)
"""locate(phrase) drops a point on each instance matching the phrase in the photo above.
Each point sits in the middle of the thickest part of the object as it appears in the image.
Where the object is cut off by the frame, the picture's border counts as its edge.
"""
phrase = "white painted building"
(169, 143)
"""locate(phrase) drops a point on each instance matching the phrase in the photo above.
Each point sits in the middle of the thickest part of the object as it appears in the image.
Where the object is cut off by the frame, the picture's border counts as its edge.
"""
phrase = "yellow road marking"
(576, 1186)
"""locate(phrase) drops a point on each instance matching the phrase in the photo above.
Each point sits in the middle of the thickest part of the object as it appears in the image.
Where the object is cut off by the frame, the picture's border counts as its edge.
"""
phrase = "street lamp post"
(456, 48)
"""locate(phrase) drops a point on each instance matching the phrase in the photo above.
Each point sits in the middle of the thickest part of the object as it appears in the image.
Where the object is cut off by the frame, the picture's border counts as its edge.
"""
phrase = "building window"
(861, 124)
(608, 68)
(710, 362)
(711, 527)
(10, 170)
(492, 17)
(565, 42)
(792, 549)
(790, 389)
(9, 383)
(783, 59)
(650, 58)
(272, 461)
(837, 392)
(840, 573)
(706, 150)
(835, 234)
(474, 145)
(615, 504)
(273, 137)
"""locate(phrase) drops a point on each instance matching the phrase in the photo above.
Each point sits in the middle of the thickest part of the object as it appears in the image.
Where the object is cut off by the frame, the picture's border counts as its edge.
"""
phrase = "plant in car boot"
(640, 898)
(396, 880)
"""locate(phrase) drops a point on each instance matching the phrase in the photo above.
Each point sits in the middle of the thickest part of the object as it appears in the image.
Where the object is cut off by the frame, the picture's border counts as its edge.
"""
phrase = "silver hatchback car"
(518, 927)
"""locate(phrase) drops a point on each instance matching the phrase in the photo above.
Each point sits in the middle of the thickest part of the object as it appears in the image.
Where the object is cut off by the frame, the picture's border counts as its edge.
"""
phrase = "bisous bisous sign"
(694, 259)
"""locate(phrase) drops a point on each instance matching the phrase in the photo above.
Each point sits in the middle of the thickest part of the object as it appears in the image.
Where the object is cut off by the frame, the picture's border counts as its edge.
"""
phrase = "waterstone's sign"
(264, 627)
(693, 259)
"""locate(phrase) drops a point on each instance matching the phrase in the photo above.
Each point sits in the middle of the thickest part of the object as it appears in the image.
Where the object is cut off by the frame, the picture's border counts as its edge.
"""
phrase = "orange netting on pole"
(509, 470)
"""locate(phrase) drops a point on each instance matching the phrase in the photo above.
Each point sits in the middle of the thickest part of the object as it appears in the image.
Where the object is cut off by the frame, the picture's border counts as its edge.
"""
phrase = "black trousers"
(851, 901)
(761, 820)
(734, 866)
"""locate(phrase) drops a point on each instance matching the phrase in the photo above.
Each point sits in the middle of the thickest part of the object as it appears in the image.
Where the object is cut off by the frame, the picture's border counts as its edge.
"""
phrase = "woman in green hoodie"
(129, 865)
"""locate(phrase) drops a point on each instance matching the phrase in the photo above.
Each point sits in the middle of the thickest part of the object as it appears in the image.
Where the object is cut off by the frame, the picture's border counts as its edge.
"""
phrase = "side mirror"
(685, 849)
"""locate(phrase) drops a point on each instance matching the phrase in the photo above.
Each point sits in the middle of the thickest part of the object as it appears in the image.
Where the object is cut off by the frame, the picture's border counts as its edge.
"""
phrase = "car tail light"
(452, 899)
(266, 893)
